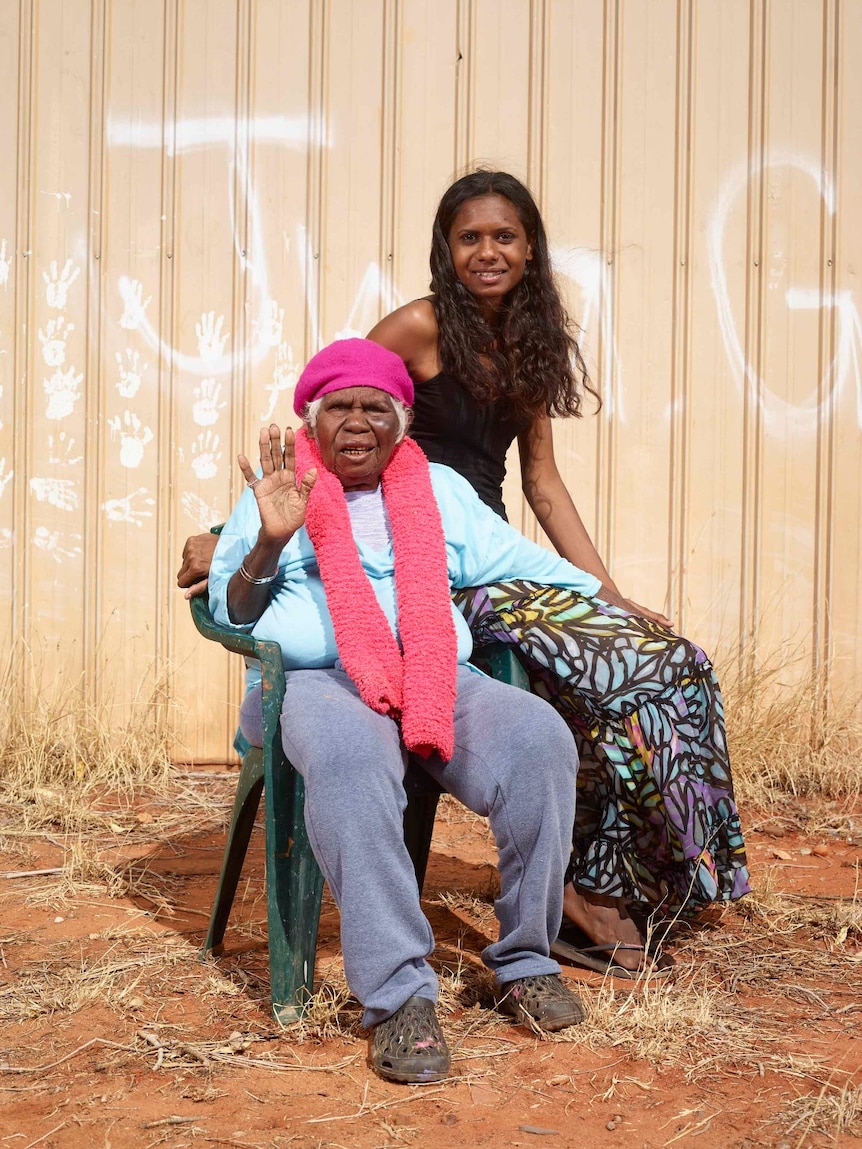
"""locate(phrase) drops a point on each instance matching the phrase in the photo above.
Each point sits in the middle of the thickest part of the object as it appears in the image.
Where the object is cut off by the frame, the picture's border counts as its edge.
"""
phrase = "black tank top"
(452, 428)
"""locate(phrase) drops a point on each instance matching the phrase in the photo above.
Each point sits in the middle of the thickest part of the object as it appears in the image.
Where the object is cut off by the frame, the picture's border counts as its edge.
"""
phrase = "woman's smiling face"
(490, 249)
(357, 430)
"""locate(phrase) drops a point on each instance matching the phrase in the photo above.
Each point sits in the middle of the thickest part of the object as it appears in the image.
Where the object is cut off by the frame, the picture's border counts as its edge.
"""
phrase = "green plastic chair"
(294, 883)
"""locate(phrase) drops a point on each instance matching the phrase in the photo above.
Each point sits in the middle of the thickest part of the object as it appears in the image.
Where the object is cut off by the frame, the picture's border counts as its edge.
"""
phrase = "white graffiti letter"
(4, 478)
(5, 265)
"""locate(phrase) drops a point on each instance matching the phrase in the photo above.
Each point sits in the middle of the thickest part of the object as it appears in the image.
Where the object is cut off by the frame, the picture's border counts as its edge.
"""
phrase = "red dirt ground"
(172, 1051)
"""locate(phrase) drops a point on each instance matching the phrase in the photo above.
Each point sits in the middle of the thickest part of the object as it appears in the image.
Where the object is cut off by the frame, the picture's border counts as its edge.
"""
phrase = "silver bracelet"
(257, 581)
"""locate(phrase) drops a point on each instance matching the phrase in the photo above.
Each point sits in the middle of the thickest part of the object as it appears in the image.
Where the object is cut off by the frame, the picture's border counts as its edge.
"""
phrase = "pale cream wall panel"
(128, 500)
(578, 153)
(60, 394)
(11, 268)
(842, 388)
(352, 191)
(497, 77)
(282, 141)
(205, 348)
(425, 161)
(643, 258)
(707, 564)
(789, 283)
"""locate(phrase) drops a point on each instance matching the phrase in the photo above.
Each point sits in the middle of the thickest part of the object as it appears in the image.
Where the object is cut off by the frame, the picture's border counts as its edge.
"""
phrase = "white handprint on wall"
(211, 341)
(49, 541)
(283, 378)
(62, 391)
(57, 283)
(60, 493)
(53, 339)
(206, 455)
(270, 327)
(134, 436)
(206, 407)
(131, 374)
(60, 450)
(5, 265)
(199, 511)
(134, 304)
(123, 511)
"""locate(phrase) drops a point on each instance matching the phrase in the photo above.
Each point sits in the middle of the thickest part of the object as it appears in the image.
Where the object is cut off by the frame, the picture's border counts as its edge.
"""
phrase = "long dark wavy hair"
(531, 359)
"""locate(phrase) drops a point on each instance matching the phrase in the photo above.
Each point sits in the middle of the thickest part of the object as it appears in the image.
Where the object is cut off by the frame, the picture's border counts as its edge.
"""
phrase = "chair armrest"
(265, 651)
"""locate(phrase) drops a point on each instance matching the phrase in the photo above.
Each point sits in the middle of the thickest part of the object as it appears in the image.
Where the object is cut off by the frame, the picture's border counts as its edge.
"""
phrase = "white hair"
(402, 411)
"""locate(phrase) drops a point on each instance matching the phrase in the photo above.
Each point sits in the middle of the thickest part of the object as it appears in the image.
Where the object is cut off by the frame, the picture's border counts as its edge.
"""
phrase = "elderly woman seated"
(344, 549)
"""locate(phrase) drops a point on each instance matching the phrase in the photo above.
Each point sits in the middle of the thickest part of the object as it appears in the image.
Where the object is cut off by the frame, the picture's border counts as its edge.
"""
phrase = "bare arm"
(282, 507)
(552, 505)
(411, 332)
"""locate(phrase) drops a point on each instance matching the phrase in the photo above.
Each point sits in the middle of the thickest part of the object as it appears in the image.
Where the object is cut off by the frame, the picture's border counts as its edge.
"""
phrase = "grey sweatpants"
(514, 761)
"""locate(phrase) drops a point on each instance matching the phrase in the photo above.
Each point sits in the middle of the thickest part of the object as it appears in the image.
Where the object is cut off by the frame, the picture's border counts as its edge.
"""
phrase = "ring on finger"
(254, 482)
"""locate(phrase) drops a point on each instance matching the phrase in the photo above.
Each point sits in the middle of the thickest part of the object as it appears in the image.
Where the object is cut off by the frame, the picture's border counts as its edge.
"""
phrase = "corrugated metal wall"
(196, 194)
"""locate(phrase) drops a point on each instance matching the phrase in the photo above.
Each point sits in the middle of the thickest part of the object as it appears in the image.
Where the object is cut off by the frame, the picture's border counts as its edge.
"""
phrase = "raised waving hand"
(282, 505)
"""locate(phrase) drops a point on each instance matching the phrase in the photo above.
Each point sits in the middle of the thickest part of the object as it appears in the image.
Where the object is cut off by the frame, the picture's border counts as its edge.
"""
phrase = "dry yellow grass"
(56, 736)
(791, 741)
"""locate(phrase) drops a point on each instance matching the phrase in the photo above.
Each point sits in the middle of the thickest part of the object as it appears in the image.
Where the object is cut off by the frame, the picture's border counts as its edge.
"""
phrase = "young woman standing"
(493, 359)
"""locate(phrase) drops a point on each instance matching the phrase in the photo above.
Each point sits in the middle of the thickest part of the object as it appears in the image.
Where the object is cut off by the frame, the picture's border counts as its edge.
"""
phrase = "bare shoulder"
(411, 332)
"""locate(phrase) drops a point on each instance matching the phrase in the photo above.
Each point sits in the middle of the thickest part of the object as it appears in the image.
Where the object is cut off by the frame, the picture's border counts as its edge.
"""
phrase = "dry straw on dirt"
(103, 789)
(792, 741)
(52, 733)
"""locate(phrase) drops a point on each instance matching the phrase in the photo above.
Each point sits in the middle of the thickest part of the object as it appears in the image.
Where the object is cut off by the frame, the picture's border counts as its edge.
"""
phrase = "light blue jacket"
(481, 548)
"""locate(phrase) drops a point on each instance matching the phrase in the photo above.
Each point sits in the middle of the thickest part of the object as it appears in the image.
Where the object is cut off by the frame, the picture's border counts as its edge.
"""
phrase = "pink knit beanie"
(353, 363)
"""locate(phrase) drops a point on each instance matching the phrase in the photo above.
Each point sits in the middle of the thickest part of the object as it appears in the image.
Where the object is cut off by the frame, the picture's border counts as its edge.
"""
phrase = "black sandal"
(541, 1002)
(409, 1046)
(573, 945)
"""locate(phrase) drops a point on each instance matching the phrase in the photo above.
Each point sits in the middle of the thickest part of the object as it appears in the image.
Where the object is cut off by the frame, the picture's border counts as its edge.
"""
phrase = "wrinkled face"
(357, 431)
(490, 248)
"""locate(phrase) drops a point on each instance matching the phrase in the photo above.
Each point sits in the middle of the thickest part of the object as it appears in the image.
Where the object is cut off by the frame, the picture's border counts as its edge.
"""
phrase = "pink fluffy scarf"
(417, 687)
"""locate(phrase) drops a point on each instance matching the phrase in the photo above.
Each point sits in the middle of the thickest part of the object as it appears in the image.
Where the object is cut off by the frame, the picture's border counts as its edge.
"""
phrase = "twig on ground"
(50, 1133)
(5, 1068)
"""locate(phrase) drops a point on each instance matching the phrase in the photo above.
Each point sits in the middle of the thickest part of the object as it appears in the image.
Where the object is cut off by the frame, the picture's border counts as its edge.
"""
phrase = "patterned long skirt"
(656, 820)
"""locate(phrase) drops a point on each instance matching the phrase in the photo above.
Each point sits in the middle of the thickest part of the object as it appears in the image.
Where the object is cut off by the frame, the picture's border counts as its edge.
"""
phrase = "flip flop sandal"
(573, 945)
(409, 1046)
(541, 1002)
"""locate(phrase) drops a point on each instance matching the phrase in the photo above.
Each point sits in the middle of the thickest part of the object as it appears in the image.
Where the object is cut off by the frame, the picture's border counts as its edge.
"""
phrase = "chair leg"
(294, 889)
(245, 806)
(419, 829)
